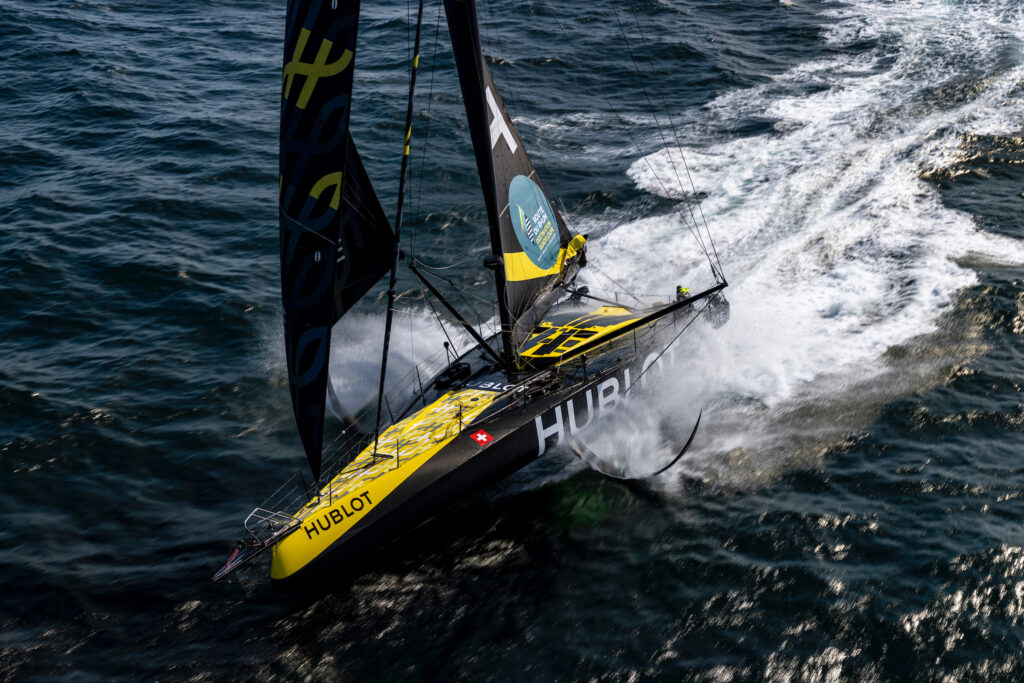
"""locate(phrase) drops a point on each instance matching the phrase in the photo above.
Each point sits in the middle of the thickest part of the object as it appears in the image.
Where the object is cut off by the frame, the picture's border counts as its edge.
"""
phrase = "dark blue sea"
(852, 505)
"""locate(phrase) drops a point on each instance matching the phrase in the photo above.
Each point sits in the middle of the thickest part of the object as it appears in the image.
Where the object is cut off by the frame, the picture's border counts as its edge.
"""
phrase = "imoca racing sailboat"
(560, 356)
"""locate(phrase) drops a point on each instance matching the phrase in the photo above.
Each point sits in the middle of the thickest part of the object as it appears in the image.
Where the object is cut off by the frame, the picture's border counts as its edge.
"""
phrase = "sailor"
(682, 292)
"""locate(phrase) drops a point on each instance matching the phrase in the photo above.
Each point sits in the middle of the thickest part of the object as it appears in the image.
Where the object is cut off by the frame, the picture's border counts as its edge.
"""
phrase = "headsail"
(335, 239)
(537, 249)
(365, 238)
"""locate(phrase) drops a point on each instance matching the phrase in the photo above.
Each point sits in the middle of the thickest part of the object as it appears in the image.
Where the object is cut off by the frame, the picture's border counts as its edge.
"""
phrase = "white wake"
(840, 257)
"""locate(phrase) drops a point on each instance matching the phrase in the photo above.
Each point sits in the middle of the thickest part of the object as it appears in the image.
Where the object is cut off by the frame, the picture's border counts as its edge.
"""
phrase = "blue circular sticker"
(533, 219)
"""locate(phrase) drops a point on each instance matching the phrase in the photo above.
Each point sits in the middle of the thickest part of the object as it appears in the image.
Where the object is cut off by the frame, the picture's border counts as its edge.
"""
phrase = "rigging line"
(625, 127)
(633, 383)
(600, 273)
(412, 339)
(476, 297)
(426, 133)
(647, 161)
(464, 292)
(437, 316)
(649, 295)
(650, 104)
(661, 133)
(660, 130)
(426, 316)
(467, 293)
(565, 213)
(576, 292)
(512, 83)
(398, 226)
(368, 218)
(679, 144)
(473, 332)
(695, 233)
(427, 266)
(418, 177)
(452, 284)
(455, 264)
(603, 274)
(358, 211)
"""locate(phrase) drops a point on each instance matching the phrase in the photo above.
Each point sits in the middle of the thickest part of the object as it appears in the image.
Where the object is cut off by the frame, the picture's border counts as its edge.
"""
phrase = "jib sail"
(537, 250)
(335, 238)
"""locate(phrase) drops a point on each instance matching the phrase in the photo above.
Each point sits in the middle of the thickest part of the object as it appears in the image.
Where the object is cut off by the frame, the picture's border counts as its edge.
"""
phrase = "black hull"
(522, 431)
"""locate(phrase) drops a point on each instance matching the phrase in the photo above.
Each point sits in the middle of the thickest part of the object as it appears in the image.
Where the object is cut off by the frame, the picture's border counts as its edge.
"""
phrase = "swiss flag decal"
(482, 438)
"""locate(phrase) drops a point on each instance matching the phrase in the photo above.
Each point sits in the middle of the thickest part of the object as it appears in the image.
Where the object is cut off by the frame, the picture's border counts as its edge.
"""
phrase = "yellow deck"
(404, 447)
(555, 341)
(367, 480)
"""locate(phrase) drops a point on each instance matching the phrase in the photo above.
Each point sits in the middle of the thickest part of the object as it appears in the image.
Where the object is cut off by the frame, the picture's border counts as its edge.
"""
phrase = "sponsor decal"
(487, 385)
(571, 417)
(533, 221)
(482, 438)
(349, 508)
(499, 128)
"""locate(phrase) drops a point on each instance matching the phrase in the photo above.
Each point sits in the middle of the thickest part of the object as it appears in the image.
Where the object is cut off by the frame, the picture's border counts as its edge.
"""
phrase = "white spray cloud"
(836, 250)
(416, 340)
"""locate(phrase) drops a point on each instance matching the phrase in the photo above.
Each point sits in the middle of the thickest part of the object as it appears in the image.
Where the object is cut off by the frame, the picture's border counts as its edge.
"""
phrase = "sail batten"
(527, 232)
(335, 238)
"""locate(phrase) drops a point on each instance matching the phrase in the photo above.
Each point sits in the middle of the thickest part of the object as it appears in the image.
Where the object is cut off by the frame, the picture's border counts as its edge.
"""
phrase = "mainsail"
(538, 251)
(335, 238)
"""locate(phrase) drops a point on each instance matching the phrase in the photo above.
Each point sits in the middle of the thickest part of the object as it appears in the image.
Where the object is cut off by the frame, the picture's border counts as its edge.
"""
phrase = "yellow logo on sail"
(313, 71)
(329, 181)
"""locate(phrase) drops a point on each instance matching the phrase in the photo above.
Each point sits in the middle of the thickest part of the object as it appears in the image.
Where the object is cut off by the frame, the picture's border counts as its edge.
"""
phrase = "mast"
(534, 254)
(398, 225)
(464, 28)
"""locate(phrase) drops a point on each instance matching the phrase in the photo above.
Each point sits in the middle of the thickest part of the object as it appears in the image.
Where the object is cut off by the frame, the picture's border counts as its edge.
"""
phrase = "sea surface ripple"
(853, 506)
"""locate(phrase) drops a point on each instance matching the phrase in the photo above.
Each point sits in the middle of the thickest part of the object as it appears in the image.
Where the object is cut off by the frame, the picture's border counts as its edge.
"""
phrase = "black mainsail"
(335, 238)
(537, 250)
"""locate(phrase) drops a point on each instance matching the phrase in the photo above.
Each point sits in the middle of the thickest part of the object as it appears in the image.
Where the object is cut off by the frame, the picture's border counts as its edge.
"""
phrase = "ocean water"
(852, 506)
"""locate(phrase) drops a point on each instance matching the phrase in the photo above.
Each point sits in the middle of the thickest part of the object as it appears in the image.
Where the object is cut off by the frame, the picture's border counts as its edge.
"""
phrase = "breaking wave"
(844, 265)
